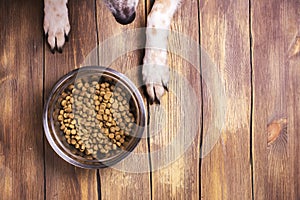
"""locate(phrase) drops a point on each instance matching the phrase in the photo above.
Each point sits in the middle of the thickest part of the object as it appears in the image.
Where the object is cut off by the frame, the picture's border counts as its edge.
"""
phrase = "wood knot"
(294, 49)
(275, 129)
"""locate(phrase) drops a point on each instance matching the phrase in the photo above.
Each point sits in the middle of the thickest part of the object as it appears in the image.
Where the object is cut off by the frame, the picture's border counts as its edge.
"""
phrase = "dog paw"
(56, 23)
(156, 78)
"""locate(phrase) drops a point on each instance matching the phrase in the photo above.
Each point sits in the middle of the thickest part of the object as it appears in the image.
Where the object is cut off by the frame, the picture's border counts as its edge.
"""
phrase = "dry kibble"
(71, 126)
(121, 140)
(111, 136)
(73, 131)
(60, 118)
(62, 127)
(63, 103)
(107, 111)
(95, 148)
(79, 85)
(96, 97)
(102, 93)
(112, 129)
(105, 117)
(71, 87)
(118, 137)
(77, 137)
(95, 118)
(115, 105)
(68, 132)
(68, 110)
(88, 151)
(71, 116)
(87, 145)
(103, 151)
(97, 103)
(120, 98)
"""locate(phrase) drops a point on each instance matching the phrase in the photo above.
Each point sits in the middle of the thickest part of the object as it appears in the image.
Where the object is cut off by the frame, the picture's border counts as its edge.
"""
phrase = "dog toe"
(150, 92)
(156, 78)
(155, 92)
(60, 40)
(159, 91)
(51, 41)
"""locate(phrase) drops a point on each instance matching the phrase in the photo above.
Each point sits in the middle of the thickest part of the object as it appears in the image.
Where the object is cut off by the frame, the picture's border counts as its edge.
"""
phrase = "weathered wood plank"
(224, 30)
(175, 123)
(275, 147)
(293, 98)
(293, 126)
(63, 181)
(129, 179)
(21, 88)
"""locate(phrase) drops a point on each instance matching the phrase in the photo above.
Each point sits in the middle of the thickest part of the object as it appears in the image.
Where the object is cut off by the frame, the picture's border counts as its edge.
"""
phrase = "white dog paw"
(56, 23)
(156, 78)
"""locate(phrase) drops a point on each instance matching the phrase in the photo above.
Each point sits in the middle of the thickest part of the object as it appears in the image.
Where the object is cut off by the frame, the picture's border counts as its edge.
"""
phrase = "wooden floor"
(255, 48)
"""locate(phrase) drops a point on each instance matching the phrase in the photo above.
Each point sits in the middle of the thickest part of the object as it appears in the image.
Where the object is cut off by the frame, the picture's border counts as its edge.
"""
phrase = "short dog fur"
(156, 77)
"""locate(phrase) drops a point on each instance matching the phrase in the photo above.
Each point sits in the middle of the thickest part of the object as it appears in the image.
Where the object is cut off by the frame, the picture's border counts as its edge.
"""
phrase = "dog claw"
(67, 38)
(52, 50)
(156, 96)
(59, 49)
(151, 101)
(158, 101)
(166, 87)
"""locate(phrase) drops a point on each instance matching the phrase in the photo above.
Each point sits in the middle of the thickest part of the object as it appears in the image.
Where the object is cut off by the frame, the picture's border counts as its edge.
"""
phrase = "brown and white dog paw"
(56, 23)
(156, 78)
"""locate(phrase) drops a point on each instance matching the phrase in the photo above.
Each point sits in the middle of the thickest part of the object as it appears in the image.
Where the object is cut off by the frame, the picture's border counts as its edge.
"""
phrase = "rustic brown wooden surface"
(226, 171)
(21, 88)
(274, 85)
(254, 46)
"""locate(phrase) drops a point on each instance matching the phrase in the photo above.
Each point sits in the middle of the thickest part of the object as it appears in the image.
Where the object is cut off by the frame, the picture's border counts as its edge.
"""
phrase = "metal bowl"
(56, 137)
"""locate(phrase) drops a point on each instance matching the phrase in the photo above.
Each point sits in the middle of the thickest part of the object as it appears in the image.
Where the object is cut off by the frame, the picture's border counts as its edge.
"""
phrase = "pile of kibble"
(95, 117)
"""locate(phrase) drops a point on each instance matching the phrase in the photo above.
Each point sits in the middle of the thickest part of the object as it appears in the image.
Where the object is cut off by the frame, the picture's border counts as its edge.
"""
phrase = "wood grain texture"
(21, 86)
(274, 28)
(293, 126)
(63, 181)
(175, 124)
(271, 85)
(224, 30)
(130, 178)
(293, 100)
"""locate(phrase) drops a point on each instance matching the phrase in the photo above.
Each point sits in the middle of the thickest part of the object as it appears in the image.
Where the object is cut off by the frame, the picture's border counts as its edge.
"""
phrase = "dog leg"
(56, 22)
(155, 71)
